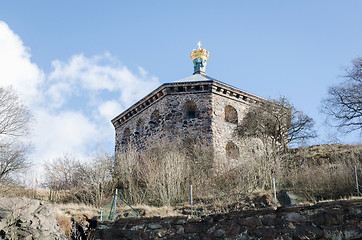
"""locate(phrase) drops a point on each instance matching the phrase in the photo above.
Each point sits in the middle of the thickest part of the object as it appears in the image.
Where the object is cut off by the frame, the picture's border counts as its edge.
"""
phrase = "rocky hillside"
(23, 218)
(327, 153)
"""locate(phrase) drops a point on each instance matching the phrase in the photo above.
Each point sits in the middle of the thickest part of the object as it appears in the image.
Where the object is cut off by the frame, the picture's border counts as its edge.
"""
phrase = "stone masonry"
(328, 220)
(198, 106)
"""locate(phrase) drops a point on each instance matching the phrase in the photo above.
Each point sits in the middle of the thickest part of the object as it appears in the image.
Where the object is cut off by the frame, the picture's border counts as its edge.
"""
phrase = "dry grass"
(64, 221)
(324, 171)
(20, 191)
(147, 211)
(79, 212)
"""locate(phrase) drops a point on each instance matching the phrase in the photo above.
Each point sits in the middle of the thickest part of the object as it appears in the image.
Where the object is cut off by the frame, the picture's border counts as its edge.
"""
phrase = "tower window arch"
(155, 119)
(139, 127)
(231, 115)
(190, 109)
(232, 151)
(126, 137)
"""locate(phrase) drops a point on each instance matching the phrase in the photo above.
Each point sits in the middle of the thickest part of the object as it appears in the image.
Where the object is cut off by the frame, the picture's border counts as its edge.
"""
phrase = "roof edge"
(218, 87)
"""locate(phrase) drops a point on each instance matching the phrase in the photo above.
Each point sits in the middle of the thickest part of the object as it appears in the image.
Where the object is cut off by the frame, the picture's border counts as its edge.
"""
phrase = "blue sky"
(78, 64)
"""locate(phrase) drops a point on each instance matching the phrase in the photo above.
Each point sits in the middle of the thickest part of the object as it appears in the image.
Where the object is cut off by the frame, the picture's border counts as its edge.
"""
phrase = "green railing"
(113, 209)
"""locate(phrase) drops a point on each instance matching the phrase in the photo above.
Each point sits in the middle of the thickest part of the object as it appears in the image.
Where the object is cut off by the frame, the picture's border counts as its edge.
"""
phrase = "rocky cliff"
(23, 218)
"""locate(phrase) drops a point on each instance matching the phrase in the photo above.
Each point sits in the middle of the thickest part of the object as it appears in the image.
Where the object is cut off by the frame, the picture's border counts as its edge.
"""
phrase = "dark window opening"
(126, 137)
(190, 109)
(191, 114)
(154, 119)
(231, 115)
(232, 151)
(139, 127)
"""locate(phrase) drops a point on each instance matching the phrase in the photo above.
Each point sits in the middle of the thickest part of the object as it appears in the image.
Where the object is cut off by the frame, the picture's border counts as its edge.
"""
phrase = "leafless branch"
(344, 101)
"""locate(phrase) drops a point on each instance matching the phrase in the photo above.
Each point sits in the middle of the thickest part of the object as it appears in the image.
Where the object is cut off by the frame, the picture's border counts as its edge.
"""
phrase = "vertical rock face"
(22, 218)
(198, 106)
(331, 220)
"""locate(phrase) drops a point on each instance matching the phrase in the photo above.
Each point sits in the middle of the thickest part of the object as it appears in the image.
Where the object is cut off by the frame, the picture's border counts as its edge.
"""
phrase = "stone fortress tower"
(198, 106)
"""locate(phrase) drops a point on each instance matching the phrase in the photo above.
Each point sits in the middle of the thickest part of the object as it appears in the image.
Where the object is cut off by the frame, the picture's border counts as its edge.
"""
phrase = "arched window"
(190, 109)
(231, 115)
(155, 119)
(126, 137)
(232, 151)
(139, 127)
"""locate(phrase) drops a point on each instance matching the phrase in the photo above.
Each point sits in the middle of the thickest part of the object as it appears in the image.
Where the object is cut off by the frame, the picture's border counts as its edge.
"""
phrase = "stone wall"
(329, 220)
(223, 131)
(166, 119)
(163, 114)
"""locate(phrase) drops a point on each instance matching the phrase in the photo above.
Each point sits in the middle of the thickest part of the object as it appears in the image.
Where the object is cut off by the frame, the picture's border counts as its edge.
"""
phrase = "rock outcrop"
(289, 198)
(23, 218)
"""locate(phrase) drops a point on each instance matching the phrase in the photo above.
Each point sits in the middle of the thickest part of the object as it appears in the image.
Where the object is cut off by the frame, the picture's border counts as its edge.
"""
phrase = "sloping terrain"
(327, 153)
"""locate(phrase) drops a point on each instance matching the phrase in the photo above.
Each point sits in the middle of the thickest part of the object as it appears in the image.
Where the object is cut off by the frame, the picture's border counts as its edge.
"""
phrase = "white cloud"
(109, 109)
(74, 103)
(16, 68)
(102, 72)
(64, 132)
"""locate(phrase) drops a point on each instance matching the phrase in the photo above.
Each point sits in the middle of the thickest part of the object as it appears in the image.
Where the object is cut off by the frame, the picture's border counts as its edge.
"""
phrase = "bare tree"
(277, 122)
(88, 181)
(300, 125)
(13, 159)
(64, 173)
(344, 101)
(15, 119)
(14, 115)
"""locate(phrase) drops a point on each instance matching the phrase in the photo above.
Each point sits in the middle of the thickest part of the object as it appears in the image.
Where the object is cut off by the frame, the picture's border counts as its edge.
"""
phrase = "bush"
(162, 175)
(332, 178)
(71, 180)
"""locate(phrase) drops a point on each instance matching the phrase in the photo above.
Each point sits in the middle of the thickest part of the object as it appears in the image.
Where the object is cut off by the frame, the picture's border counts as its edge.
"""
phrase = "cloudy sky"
(78, 64)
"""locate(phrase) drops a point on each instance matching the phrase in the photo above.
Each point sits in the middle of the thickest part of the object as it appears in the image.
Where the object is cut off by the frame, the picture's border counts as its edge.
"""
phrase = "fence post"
(355, 172)
(275, 194)
(115, 204)
(191, 200)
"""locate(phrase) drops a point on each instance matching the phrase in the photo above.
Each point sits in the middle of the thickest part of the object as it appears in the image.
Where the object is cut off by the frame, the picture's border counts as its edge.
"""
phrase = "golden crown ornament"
(199, 53)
